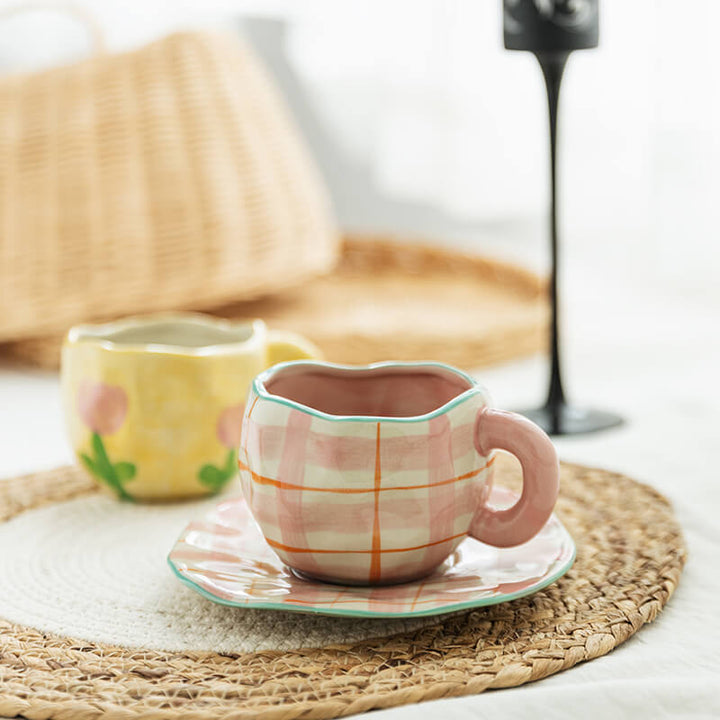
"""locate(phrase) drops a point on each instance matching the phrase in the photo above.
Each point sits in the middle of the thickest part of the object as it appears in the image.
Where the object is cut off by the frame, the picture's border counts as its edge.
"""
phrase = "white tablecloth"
(633, 346)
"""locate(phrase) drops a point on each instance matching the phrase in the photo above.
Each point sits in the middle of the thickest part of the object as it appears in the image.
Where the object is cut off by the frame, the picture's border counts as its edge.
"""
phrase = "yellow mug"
(154, 404)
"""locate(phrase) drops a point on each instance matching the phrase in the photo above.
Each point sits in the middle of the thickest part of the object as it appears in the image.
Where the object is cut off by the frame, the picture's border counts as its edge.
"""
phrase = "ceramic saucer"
(226, 559)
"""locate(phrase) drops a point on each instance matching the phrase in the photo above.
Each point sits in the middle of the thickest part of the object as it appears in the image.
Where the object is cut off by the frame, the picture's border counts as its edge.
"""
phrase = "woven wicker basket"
(166, 177)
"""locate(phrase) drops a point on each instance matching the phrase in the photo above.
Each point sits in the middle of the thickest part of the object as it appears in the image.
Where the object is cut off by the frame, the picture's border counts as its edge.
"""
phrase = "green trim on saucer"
(443, 610)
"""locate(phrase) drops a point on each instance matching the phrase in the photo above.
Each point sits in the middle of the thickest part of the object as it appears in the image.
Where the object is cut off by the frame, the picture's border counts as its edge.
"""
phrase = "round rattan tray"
(630, 556)
(391, 299)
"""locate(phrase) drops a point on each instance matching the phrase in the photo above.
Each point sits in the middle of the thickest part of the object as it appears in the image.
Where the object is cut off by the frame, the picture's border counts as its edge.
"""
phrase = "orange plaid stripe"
(262, 480)
(374, 551)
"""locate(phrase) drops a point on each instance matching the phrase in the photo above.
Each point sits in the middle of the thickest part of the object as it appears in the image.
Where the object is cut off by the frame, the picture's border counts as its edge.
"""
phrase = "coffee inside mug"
(377, 392)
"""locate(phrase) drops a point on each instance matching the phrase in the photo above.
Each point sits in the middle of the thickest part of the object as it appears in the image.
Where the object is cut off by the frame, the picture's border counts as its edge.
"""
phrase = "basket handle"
(83, 16)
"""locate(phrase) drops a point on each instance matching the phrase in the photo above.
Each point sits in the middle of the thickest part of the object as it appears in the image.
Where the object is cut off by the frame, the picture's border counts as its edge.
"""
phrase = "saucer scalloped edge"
(225, 558)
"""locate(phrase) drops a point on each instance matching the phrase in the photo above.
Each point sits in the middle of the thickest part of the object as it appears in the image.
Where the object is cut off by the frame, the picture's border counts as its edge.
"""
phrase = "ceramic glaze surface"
(154, 405)
(374, 475)
(225, 558)
(387, 392)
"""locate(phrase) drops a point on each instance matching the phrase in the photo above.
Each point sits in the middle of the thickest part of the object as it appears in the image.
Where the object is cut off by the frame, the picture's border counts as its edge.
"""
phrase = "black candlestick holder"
(551, 30)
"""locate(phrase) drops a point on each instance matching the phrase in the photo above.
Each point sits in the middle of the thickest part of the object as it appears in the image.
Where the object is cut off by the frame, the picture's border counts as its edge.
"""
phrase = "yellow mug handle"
(283, 346)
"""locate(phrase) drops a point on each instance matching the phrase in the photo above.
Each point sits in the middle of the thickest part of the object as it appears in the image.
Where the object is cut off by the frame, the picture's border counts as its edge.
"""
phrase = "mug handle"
(283, 346)
(497, 429)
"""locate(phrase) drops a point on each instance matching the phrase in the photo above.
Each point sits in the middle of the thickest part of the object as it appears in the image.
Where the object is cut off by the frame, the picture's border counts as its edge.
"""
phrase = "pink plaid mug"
(375, 474)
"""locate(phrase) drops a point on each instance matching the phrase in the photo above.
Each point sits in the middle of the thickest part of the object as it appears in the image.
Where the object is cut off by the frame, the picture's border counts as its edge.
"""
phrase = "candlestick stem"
(556, 416)
(553, 66)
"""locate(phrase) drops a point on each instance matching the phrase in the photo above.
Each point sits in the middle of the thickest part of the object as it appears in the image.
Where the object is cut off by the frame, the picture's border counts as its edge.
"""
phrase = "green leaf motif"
(211, 477)
(112, 474)
(231, 464)
(102, 462)
(124, 471)
(216, 478)
(88, 462)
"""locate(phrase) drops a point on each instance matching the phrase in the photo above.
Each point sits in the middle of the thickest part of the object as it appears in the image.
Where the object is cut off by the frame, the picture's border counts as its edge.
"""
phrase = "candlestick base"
(565, 419)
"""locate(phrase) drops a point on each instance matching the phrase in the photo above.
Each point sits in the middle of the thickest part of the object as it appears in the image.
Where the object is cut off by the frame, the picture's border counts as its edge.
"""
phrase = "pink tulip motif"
(228, 430)
(229, 426)
(103, 409)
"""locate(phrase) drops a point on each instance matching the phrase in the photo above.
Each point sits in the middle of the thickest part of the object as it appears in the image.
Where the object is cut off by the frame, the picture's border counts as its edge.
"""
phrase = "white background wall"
(423, 96)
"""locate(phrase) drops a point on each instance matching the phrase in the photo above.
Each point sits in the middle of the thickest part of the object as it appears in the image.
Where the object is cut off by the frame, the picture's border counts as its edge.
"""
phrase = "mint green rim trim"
(443, 610)
(258, 387)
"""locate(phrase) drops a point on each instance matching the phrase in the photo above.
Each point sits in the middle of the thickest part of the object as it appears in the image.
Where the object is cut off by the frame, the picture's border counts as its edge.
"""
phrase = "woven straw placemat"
(630, 555)
(398, 300)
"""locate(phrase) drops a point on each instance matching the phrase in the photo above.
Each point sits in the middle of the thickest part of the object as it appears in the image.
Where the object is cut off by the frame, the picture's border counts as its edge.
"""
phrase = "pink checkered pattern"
(362, 502)
(225, 555)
